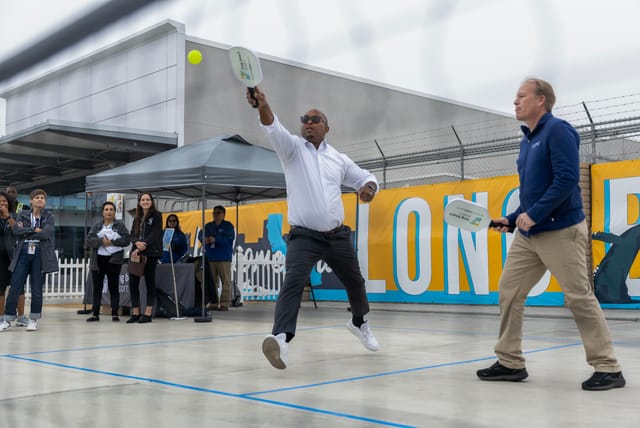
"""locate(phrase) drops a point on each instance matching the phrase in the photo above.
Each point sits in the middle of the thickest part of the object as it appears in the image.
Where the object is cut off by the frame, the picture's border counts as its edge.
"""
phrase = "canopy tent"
(223, 167)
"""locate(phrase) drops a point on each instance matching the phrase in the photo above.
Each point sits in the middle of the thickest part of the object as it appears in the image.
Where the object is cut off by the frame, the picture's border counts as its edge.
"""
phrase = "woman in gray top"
(107, 240)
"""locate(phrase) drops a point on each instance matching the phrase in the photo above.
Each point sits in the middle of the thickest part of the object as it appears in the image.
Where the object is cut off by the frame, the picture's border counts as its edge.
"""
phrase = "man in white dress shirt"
(314, 173)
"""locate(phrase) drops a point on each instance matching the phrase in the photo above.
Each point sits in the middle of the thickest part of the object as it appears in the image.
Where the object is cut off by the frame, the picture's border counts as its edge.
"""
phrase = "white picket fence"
(261, 276)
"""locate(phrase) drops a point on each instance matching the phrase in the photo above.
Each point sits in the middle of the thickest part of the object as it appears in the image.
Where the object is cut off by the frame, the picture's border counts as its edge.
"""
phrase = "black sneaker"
(133, 319)
(601, 381)
(500, 372)
(93, 318)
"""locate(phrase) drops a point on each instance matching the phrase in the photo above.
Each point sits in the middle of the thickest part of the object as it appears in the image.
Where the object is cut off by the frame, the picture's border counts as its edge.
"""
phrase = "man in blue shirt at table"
(218, 243)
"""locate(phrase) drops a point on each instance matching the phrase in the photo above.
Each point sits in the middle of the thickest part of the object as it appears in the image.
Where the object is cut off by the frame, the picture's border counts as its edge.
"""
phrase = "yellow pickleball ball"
(194, 56)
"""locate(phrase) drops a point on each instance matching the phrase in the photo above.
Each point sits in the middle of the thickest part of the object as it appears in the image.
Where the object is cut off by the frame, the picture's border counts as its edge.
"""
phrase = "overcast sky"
(472, 51)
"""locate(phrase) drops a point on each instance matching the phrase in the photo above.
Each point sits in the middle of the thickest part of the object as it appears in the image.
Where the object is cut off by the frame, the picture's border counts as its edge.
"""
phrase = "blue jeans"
(27, 265)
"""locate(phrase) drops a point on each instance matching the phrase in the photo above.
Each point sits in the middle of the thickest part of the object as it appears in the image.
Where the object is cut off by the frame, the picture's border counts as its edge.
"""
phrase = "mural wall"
(616, 238)
(409, 254)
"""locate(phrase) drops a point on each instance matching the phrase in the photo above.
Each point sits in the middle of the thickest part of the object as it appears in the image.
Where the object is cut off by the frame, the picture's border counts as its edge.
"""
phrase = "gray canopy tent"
(224, 168)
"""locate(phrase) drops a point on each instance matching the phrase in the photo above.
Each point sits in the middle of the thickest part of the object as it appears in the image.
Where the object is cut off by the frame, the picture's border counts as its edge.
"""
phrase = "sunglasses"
(314, 119)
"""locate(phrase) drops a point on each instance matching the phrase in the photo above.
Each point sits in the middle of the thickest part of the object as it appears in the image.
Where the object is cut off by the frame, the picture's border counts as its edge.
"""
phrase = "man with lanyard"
(34, 257)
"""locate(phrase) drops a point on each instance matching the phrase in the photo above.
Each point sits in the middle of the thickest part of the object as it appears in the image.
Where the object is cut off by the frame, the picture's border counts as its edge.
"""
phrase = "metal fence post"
(461, 152)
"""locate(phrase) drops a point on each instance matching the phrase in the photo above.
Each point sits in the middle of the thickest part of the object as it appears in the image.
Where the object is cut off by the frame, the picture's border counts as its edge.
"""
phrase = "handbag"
(136, 264)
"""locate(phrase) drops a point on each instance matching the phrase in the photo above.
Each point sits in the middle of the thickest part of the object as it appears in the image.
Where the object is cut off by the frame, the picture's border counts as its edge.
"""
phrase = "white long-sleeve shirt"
(314, 178)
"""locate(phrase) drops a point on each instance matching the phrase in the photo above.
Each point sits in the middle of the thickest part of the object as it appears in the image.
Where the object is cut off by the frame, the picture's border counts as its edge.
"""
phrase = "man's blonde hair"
(545, 89)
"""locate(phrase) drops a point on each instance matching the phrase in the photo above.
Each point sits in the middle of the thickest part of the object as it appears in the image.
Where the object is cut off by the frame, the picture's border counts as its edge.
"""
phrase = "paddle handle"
(252, 92)
(511, 227)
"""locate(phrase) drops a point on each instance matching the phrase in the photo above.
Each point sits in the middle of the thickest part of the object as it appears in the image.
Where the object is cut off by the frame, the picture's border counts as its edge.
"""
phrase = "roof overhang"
(57, 155)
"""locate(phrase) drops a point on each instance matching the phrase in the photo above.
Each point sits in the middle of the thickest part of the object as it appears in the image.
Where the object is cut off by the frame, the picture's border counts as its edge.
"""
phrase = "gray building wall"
(137, 83)
(358, 111)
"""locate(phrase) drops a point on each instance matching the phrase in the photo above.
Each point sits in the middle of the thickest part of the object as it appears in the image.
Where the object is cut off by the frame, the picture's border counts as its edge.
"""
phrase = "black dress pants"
(112, 272)
(304, 249)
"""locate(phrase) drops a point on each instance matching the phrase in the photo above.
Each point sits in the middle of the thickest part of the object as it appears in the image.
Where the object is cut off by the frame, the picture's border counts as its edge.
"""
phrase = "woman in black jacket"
(106, 240)
(7, 244)
(146, 234)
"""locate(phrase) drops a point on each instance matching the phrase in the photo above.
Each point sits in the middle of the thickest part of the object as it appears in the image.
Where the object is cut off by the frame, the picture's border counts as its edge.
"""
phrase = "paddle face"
(245, 66)
(466, 215)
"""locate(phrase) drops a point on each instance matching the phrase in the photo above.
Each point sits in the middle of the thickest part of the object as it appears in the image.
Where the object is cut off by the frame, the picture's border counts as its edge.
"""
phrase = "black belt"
(333, 231)
(328, 232)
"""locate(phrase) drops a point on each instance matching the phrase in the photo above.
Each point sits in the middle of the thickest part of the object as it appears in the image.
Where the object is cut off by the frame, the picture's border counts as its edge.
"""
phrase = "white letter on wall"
(422, 212)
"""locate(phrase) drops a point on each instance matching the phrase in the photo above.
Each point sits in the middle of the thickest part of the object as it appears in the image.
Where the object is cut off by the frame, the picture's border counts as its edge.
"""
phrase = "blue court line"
(156, 342)
(214, 391)
(231, 336)
(403, 371)
(471, 333)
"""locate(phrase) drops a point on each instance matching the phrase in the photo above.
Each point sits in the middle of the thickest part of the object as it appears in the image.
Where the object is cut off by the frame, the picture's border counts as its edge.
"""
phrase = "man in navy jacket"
(552, 234)
(218, 240)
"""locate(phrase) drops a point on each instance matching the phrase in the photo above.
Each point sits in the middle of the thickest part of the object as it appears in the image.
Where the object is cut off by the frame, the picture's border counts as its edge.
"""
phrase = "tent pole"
(175, 287)
(237, 299)
(205, 317)
(85, 232)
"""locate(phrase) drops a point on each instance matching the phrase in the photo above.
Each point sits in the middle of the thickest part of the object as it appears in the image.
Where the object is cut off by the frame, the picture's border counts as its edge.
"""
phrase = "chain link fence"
(609, 131)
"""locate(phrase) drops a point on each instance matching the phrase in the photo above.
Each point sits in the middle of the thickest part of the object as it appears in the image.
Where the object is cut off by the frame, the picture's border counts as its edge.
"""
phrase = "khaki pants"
(222, 271)
(563, 253)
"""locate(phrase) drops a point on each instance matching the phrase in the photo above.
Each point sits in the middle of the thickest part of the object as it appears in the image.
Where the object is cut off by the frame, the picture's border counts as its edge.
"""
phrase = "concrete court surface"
(71, 373)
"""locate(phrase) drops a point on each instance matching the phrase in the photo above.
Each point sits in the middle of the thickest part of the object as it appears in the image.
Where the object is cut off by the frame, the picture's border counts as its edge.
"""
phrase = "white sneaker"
(275, 348)
(365, 335)
(4, 325)
(22, 321)
(32, 325)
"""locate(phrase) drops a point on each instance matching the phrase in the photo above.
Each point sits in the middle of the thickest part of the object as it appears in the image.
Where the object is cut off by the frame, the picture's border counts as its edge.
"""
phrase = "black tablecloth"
(185, 285)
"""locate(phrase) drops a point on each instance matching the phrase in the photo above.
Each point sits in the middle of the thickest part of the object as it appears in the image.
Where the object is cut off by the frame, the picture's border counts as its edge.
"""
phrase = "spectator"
(106, 240)
(7, 244)
(12, 193)
(218, 242)
(146, 235)
(179, 244)
(34, 257)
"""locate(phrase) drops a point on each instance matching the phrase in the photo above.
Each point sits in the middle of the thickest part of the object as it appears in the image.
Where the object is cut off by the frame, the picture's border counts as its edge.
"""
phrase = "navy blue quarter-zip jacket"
(549, 170)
